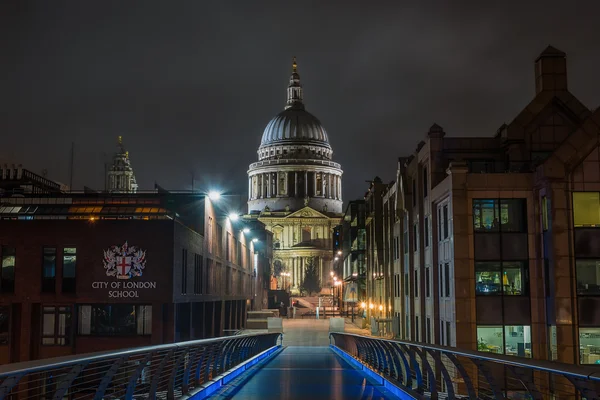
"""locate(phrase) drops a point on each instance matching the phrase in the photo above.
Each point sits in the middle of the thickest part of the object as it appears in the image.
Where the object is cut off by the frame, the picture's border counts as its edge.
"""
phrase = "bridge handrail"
(67, 361)
(580, 371)
(388, 356)
(167, 365)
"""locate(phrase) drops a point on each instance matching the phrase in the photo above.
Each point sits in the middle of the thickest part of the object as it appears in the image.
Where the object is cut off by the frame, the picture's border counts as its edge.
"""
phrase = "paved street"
(306, 332)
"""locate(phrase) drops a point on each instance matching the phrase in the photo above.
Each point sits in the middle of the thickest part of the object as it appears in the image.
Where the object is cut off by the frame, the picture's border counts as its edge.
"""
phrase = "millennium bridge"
(291, 365)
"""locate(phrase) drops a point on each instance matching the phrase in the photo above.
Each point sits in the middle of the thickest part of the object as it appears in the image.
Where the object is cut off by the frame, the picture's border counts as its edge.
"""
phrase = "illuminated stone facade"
(295, 189)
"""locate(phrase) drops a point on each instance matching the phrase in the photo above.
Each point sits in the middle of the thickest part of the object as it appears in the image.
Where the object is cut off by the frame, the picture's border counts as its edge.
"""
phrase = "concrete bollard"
(275, 324)
(337, 324)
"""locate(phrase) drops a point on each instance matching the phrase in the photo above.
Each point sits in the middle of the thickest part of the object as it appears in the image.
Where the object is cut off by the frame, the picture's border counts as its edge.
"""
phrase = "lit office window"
(589, 345)
(490, 339)
(494, 277)
(518, 340)
(586, 209)
(493, 215)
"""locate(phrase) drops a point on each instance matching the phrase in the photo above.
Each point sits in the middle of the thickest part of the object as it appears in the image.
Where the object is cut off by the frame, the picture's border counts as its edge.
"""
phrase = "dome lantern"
(294, 91)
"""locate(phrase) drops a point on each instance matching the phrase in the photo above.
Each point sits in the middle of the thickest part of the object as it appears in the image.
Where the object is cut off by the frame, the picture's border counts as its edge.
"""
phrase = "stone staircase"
(327, 302)
(258, 319)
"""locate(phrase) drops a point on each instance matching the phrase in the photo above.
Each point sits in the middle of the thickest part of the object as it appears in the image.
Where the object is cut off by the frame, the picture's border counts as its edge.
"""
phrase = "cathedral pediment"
(307, 212)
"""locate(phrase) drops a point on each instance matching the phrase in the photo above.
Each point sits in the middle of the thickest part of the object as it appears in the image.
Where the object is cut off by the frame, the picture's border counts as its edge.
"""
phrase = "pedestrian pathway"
(306, 369)
(304, 372)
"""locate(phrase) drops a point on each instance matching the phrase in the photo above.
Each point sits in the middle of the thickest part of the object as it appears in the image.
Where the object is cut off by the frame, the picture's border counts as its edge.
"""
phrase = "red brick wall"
(90, 238)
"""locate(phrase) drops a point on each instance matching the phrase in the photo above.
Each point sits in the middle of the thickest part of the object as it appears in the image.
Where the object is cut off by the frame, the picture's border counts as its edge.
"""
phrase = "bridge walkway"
(302, 372)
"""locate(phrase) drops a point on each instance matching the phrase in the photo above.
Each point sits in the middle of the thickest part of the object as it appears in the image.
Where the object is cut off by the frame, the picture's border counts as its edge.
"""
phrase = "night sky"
(191, 85)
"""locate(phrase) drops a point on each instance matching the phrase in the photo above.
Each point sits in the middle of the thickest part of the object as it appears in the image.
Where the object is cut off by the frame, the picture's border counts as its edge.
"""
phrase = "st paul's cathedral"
(295, 189)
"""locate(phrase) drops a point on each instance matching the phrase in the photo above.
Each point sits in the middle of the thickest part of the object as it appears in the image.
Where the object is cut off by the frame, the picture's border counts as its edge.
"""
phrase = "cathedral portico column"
(295, 194)
(249, 188)
(332, 186)
(305, 184)
(321, 272)
(296, 272)
(261, 178)
(293, 271)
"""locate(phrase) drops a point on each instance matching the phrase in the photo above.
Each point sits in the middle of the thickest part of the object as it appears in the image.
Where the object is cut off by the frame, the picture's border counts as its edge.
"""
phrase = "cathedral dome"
(296, 125)
(295, 167)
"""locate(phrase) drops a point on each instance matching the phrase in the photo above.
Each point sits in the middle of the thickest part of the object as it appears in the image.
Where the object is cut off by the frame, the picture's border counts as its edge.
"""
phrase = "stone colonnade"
(295, 184)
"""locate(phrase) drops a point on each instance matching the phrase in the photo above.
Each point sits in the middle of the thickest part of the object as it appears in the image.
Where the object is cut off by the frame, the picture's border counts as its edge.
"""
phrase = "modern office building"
(84, 272)
(499, 234)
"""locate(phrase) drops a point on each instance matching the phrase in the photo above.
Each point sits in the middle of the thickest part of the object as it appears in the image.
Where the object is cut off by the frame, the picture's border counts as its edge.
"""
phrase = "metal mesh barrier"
(158, 372)
(427, 371)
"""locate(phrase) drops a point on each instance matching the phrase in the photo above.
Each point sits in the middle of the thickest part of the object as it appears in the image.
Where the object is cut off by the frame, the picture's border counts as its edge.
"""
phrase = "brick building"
(497, 235)
(99, 271)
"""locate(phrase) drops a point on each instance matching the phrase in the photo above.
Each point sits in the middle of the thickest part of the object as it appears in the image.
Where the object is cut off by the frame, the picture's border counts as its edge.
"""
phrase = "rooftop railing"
(426, 371)
(171, 371)
(299, 161)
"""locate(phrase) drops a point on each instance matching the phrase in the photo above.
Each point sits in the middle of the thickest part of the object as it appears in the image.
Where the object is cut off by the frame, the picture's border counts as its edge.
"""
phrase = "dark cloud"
(191, 85)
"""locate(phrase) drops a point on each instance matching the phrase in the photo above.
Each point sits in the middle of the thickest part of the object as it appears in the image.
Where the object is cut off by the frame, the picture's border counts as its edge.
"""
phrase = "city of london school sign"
(124, 263)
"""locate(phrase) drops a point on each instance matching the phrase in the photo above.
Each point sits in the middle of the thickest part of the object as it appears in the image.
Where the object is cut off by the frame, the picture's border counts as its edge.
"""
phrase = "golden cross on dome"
(294, 65)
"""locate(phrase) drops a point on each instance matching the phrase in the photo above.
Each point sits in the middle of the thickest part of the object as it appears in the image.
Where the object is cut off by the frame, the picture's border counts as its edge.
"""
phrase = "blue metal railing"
(425, 371)
(169, 371)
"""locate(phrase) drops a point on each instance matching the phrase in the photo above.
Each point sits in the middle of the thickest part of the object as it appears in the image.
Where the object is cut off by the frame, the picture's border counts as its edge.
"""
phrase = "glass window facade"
(7, 276)
(49, 269)
(69, 269)
(494, 277)
(56, 326)
(499, 215)
(517, 340)
(588, 277)
(512, 340)
(115, 320)
(589, 345)
(586, 209)
(490, 339)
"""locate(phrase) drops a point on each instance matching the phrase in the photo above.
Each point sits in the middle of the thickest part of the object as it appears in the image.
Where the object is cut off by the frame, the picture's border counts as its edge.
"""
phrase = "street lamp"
(246, 230)
(233, 217)
(214, 195)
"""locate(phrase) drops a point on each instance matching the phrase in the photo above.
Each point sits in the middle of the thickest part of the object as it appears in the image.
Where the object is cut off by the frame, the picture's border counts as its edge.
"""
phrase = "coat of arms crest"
(124, 262)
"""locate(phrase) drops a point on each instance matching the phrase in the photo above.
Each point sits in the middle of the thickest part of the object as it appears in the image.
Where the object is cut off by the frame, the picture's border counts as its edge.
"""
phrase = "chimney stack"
(551, 71)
